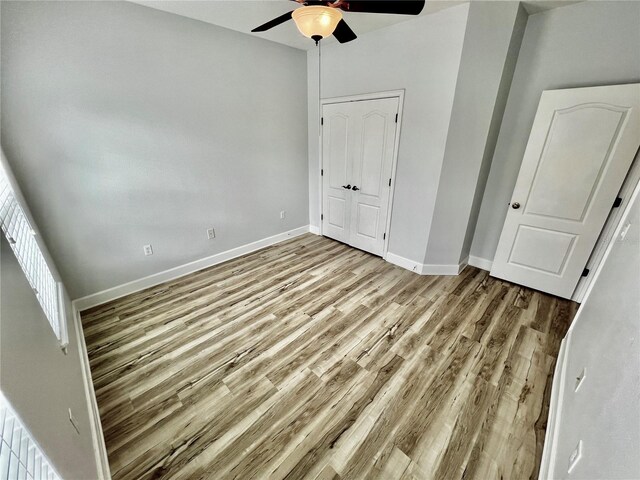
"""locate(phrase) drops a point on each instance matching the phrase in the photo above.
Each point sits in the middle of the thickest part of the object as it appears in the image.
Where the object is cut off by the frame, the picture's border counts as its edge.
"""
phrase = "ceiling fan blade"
(401, 7)
(343, 32)
(273, 23)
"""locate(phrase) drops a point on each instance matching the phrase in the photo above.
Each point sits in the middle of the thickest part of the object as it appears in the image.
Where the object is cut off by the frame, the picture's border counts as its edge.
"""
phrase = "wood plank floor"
(310, 359)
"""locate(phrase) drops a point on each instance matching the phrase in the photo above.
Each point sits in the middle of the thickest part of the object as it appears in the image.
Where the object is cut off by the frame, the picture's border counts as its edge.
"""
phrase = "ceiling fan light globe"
(316, 20)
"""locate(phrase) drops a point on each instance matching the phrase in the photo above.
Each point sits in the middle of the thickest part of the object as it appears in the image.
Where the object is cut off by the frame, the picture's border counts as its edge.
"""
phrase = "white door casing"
(607, 235)
(358, 138)
(581, 146)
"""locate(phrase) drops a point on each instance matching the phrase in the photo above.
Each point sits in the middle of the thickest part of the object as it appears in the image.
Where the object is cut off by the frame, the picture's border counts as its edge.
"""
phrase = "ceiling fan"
(318, 19)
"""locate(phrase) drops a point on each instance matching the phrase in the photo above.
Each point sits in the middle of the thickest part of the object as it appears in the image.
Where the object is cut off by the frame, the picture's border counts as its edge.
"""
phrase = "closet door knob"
(515, 205)
(348, 186)
(355, 189)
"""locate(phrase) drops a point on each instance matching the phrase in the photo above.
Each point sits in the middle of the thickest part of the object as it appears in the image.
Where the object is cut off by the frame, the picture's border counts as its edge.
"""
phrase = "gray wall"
(491, 43)
(605, 411)
(126, 126)
(38, 379)
(422, 56)
(585, 44)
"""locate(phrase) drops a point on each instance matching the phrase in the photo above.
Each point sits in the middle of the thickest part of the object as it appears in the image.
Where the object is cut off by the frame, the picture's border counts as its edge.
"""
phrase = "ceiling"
(243, 15)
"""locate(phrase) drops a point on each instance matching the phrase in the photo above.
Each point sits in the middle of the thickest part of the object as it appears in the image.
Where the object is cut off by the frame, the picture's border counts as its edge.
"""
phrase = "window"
(20, 456)
(24, 243)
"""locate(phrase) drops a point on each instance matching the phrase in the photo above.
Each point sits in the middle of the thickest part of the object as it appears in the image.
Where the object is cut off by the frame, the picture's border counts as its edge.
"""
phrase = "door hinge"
(322, 216)
(396, 118)
(321, 120)
(389, 182)
(585, 272)
(617, 202)
(322, 172)
(384, 236)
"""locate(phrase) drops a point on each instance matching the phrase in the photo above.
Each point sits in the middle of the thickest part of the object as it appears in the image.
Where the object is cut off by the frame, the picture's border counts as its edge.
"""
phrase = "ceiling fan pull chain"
(319, 88)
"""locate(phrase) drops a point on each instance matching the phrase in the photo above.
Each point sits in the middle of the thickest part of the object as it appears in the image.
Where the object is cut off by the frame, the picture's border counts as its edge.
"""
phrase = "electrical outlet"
(580, 378)
(148, 250)
(74, 422)
(575, 457)
(211, 233)
(283, 213)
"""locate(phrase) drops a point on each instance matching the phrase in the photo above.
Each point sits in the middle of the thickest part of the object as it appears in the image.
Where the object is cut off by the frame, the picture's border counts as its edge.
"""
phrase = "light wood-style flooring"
(310, 359)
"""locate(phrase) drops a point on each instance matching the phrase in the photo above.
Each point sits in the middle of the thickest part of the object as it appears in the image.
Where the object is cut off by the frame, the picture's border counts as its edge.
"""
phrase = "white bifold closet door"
(358, 142)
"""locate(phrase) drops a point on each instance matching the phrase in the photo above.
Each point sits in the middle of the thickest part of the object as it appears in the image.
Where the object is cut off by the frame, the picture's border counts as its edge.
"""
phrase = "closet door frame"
(399, 94)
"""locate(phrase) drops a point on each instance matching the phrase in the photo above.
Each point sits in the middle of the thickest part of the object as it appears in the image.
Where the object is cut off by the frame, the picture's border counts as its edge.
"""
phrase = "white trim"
(429, 269)
(616, 236)
(606, 236)
(549, 455)
(554, 417)
(364, 96)
(113, 293)
(404, 262)
(425, 269)
(99, 447)
(399, 94)
(62, 311)
(480, 262)
(97, 436)
(394, 169)
(315, 230)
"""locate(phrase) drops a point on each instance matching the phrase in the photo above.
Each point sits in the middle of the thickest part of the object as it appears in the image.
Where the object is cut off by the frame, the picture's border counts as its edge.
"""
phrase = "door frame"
(399, 94)
(607, 234)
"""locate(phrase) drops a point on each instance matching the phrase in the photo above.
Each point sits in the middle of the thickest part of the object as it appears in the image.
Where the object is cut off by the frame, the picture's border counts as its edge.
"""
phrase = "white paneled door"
(581, 146)
(358, 142)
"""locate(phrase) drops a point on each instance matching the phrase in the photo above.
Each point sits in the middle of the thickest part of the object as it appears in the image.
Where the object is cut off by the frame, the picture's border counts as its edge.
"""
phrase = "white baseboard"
(404, 262)
(547, 463)
(113, 293)
(97, 436)
(315, 230)
(480, 262)
(99, 447)
(424, 269)
(428, 269)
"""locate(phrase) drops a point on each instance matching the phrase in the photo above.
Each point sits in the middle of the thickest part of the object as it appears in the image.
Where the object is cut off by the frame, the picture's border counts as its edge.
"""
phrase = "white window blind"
(20, 456)
(22, 238)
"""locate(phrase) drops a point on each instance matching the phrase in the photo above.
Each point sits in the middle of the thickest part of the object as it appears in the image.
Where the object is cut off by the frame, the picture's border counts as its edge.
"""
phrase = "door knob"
(355, 189)
(515, 205)
(348, 186)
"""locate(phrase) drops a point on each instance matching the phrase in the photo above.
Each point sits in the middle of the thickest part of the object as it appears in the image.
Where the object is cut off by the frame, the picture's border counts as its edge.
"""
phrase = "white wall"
(491, 44)
(38, 379)
(422, 56)
(605, 339)
(126, 126)
(585, 44)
